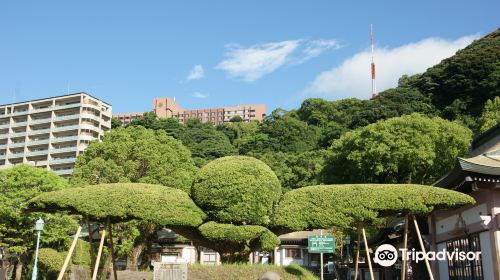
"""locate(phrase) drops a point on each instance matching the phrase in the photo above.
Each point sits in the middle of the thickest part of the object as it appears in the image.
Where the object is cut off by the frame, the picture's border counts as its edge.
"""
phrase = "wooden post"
(112, 249)
(368, 254)
(70, 252)
(356, 262)
(98, 259)
(431, 277)
(405, 248)
(91, 251)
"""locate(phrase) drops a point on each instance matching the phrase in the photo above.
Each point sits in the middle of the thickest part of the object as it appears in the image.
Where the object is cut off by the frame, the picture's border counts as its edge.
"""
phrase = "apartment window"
(212, 114)
(252, 111)
(292, 253)
(465, 270)
(220, 113)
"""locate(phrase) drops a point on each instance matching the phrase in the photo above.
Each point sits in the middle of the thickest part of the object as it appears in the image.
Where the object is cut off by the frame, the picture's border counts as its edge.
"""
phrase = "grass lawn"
(246, 272)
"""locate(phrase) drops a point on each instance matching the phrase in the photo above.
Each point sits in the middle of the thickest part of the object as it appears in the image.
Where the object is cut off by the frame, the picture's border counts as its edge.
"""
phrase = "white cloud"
(196, 73)
(200, 95)
(352, 77)
(252, 63)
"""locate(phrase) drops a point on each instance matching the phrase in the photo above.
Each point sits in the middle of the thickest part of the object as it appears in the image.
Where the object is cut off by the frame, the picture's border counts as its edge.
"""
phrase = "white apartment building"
(51, 132)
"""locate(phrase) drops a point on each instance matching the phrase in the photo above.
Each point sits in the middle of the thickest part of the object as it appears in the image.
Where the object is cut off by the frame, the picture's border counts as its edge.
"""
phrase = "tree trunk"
(133, 257)
(112, 247)
(19, 270)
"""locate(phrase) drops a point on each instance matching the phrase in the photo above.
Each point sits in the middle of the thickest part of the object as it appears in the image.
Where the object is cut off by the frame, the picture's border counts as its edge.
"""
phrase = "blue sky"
(221, 53)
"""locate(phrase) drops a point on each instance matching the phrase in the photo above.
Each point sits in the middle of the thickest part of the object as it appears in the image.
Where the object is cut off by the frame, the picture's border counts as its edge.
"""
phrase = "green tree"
(237, 189)
(115, 123)
(236, 119)
(295, 170)
(136, 154)
(19, 184)
(206, 143)
(408, 149)
(491, 114)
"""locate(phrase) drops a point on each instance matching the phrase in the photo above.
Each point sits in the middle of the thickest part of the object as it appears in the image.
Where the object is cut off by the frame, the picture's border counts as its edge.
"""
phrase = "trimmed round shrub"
(51, 262)
(237, 189)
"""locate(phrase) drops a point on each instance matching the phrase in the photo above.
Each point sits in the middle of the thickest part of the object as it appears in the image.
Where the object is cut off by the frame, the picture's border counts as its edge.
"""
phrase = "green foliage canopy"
(125, 201)
(257, 237)
(325, 206)
(18, 184)
(237, 189)
(491, 115)
(408, 149)
(138, 155)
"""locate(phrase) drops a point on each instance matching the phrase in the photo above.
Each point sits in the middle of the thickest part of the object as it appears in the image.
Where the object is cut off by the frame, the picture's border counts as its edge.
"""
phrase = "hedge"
(345, 205)
(124, 201)
(237, 189)
(259, 236)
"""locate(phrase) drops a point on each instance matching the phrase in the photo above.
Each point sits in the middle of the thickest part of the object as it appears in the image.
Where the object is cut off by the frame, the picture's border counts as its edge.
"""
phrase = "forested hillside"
(408, 134)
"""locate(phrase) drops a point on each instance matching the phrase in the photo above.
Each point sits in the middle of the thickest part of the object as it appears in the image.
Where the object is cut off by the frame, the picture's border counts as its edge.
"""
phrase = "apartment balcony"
(38, 121)
(65, 128)
(37, 153)
(67, 117)
(61, 107)
(17, 124)
(3, 146)
(17, 134)
(39, 131)
(17, 145)
(2, 157)
(63, 172)
(62, 161)
(87, 137)
(63, 150)
(64, 139)
(90, 127)
(96, 107)
(16, 155)
(92, 117)
(19, 113)
(4, 136)
(38, 142)
(7, 125)
(41, 110)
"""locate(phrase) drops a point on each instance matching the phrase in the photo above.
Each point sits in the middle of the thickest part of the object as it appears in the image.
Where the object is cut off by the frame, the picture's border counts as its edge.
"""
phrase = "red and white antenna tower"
(374, 83)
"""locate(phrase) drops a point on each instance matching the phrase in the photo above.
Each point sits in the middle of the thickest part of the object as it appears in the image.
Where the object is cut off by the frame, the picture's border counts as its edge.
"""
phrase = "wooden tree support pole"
(431, 277)
(98, 259)
(70, 252)
(115, 274)
(368, 254)
(91, 251)
(356, 262)
(405, 248)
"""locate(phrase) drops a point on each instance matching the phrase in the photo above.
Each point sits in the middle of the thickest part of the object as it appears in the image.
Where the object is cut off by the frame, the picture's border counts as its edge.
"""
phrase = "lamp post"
(38, 228)
(347, 242)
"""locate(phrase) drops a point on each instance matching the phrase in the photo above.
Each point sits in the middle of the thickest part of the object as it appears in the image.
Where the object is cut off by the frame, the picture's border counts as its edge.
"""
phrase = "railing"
(40, 110)
(60, 107)
(37, 153)
(17, 145)
(7, 125)
(62, 161)
(15, 124)
(63, 139)
(63, 171)
(2, 156)
(37, 121)
(16, 155)
(40, 131)
(4, 136)
(64, 128)
(3, 146)
(18, 134)
(67, 117)
(38, 142)
(63, 150)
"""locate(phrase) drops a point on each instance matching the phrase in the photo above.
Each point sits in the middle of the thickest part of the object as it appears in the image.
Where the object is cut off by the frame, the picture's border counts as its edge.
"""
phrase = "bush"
(247, 271)
(125, 201)
(237, 189)
(345, 205)
(51, 262)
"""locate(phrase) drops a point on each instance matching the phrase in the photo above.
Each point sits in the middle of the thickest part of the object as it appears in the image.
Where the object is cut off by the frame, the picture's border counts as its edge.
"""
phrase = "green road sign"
(321, 243)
